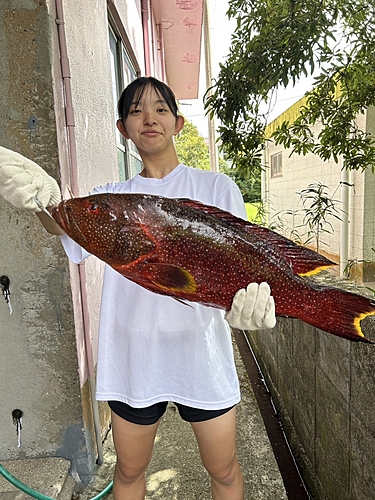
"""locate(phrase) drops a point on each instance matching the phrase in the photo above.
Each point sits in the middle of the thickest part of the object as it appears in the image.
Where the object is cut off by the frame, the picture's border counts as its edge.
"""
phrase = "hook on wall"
(4, 287)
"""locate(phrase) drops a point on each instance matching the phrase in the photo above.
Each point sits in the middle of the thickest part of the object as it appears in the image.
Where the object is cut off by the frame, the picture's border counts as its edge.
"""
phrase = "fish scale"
(191, 251)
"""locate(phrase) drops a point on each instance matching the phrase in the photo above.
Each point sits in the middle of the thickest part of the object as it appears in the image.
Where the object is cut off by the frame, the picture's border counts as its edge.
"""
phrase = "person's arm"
(26, 186)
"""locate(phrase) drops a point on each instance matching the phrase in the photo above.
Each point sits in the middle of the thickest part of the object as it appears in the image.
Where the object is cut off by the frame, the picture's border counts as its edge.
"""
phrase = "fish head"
(106, 225)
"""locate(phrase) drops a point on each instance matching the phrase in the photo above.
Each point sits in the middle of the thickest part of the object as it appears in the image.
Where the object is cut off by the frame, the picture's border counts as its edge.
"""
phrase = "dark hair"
(135, 90)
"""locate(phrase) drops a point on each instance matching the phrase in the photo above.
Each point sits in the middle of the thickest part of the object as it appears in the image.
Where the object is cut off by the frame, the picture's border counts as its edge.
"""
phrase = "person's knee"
(225, 473)
(127, 474)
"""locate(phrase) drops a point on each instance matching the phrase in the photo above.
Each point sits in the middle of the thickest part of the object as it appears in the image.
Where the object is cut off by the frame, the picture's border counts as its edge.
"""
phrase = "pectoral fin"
(171, 278)
(163, 278)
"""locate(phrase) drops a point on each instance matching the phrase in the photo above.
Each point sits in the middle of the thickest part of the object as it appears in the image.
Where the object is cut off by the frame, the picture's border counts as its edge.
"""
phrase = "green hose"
(26, 489)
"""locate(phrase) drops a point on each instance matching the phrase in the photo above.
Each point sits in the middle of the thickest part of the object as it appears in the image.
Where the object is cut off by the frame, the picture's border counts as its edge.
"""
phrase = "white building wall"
(285, 205)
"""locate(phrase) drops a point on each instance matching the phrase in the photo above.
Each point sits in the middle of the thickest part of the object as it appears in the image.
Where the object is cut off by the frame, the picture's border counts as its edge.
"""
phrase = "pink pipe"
(72, 150)
(146, 35)
(69, 111)
(161, 49)
(70, 124)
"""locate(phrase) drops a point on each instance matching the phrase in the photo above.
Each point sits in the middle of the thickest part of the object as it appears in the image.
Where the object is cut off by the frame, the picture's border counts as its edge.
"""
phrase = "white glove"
(21, 180)
(253, 308)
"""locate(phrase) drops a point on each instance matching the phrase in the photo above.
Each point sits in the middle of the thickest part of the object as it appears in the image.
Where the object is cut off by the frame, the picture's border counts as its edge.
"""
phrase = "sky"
(221, 29)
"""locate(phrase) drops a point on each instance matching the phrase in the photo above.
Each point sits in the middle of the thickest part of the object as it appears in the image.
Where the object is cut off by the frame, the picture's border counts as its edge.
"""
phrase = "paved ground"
(176, 473)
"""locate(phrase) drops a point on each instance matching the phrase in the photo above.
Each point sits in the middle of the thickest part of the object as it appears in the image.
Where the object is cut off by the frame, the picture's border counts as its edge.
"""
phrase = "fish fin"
(338, 312)
(161, 277)
(315, 270)
(357, 325)
(171, 278)
(302, 260)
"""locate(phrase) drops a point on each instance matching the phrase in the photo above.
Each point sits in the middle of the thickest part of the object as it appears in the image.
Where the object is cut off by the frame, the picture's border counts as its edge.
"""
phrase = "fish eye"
(94, 208)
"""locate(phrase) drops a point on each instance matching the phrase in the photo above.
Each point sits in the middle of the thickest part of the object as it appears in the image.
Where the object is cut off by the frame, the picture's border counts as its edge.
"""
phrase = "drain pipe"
(161, 50)
(213, 149)
(344, 230)
(265, 191)
(70, 124)
(146, 35)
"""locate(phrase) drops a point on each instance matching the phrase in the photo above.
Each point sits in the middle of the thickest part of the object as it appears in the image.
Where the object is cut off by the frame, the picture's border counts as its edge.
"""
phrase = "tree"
(193, 151)
(249, 185)
(274, 44)
(191, 148)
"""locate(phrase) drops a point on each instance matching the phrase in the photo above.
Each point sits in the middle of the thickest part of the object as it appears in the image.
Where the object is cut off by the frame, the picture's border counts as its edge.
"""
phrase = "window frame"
(276, 164)
(124, 69)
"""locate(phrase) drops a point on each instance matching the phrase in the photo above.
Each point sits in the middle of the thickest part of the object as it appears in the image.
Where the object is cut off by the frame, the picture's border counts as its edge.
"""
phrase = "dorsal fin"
(302, 260)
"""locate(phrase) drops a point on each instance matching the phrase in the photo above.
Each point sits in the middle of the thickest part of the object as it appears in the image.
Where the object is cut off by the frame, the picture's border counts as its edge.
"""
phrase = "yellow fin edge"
(315, 271)
(358, 320)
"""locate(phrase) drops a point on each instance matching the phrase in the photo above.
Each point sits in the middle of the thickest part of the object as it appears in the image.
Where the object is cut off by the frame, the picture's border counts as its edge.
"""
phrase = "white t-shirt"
(154, 348)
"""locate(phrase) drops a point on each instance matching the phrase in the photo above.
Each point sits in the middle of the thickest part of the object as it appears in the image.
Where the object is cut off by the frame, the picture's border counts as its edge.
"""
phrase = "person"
(154, 349)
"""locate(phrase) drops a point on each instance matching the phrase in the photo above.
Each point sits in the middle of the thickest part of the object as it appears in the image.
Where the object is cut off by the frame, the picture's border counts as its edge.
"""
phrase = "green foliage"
(318, 210)
(191, 148)
(274, 44)
(193, 151)
(249, 185)
(253, 211)
(318, 207)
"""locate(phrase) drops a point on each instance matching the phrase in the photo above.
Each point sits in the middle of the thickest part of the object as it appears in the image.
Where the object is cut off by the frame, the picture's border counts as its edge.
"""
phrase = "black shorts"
(151, 414)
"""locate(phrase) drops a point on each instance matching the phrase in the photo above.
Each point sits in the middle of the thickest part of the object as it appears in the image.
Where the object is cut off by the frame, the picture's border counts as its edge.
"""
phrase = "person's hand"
(253, 308)
(21, 180)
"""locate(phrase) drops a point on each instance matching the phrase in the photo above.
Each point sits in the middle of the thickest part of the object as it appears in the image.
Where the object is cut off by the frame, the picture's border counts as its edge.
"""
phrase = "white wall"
(297, 173)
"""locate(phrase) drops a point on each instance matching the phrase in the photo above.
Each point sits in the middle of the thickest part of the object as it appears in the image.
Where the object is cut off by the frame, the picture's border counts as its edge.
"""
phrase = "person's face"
(151, 124)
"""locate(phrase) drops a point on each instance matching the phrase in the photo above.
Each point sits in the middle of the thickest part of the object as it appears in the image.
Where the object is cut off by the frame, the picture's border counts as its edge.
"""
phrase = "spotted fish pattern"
(191, 251)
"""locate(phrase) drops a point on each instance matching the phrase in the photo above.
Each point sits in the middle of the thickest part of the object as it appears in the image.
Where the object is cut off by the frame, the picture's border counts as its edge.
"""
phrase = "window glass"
(122, 73)
(276, 164)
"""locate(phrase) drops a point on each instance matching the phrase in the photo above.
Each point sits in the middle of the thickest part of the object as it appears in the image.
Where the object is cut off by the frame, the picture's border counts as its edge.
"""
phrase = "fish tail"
(339, 312)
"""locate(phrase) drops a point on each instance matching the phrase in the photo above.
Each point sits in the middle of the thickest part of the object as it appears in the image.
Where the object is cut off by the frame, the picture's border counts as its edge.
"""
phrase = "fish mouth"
(57, 216)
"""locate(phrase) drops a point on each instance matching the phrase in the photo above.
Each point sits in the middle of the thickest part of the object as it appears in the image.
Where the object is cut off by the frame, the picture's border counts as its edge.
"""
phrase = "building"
(350, 237)
(63, 66)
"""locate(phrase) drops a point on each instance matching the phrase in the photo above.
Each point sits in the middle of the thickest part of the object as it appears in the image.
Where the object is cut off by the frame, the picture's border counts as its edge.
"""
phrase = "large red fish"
(194, 252)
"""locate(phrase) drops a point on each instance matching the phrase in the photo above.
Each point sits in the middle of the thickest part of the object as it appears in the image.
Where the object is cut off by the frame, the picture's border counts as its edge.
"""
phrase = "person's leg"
(217, 445)
(134, 444)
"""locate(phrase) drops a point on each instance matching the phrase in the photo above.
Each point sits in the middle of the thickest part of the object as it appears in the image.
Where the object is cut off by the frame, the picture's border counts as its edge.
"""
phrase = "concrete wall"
(323, 388)
(43, 361)
(38, 358)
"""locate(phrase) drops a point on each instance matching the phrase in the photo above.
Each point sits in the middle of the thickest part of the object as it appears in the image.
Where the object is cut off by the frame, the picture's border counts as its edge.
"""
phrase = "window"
(123, 72)
(276, 165)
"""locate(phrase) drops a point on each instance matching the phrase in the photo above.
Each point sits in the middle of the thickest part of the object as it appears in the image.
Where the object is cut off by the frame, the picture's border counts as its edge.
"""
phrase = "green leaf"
(276, 43)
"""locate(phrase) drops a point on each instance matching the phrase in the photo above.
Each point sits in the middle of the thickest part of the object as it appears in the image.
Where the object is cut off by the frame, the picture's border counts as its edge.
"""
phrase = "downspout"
(72, 150)
(161, 50)
(146, 35)
(265, 192)
(344, 230)
(213, 149)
